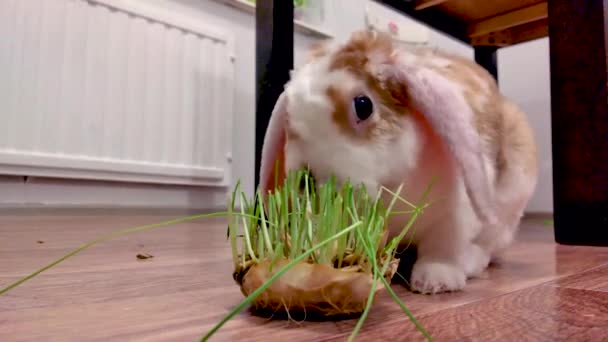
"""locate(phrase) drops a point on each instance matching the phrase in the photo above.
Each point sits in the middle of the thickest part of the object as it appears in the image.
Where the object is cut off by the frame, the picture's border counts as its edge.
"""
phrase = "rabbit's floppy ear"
(442, 104)
(272, 165)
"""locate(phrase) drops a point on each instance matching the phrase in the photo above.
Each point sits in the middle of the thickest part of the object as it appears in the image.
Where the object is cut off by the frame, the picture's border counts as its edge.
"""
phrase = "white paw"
(436, 277)
(476, 260)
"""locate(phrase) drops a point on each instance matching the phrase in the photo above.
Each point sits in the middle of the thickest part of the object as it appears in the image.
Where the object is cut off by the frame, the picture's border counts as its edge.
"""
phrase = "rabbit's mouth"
(312, 181)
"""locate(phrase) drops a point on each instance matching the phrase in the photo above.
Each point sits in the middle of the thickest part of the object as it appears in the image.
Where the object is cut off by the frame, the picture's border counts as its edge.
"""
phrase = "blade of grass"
(406, 310)
(233, 199)
(417, 211)
(371, 255)
(266, 237)
(232, 233)
(108, 237)
(246, 232)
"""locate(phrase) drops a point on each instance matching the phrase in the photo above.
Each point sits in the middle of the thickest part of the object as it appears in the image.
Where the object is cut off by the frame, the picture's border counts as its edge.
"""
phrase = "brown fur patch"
(340, 113)
(355, 54)
(356, 57)
(318, 50)
(478, 82)
(519, 148)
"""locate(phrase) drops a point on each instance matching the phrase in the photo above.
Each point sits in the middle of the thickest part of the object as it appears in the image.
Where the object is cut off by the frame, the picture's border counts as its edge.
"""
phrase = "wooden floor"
(539, 292)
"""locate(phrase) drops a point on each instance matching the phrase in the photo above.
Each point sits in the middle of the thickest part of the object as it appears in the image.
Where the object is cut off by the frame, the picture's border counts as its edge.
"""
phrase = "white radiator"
(114, 90)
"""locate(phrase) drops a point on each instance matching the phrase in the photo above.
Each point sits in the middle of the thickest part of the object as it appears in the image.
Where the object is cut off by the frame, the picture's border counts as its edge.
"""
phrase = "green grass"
(325, 225)
(283, 232)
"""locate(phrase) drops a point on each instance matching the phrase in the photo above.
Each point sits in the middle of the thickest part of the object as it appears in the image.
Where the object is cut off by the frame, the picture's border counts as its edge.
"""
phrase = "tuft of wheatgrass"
(339, 225)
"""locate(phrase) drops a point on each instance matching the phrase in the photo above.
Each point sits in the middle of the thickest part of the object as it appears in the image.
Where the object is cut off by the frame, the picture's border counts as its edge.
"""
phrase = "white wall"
(344, 16)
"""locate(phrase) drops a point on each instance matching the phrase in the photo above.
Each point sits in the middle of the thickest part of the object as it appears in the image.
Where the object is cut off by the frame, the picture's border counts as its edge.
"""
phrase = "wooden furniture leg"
(274, 61)
(579, 101)
(486, 57)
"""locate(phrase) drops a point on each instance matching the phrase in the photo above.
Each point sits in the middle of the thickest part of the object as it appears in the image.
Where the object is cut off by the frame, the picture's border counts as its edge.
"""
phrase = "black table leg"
(486, 57)
(579, 115)
(274, 61)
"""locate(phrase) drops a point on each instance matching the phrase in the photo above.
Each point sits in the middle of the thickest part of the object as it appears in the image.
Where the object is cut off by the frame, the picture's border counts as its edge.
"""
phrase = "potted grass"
(321, 250)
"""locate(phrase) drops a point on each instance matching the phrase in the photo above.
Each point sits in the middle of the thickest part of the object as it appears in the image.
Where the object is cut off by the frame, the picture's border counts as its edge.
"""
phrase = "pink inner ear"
(272, 165)
(451, 118)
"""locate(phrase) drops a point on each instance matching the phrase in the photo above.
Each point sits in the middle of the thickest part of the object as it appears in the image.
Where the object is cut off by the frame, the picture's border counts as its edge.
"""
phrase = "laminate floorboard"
(538, 291)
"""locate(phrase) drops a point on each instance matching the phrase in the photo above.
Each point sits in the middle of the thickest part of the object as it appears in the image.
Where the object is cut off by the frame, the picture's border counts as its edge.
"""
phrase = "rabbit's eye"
(363, 107)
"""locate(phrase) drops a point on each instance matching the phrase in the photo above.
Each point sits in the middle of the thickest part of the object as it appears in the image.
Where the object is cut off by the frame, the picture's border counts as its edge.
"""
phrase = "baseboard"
(538, 215)
(42, 194)
(44, 210)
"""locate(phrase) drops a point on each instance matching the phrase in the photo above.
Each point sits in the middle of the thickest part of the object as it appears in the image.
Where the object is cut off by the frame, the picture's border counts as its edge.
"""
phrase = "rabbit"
(382, 115)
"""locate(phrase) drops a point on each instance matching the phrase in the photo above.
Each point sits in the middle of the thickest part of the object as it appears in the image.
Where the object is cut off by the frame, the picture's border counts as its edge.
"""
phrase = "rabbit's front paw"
(436, 277)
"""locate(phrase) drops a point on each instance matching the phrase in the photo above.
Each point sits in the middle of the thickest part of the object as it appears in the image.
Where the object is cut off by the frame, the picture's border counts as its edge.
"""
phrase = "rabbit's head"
(363, 111)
